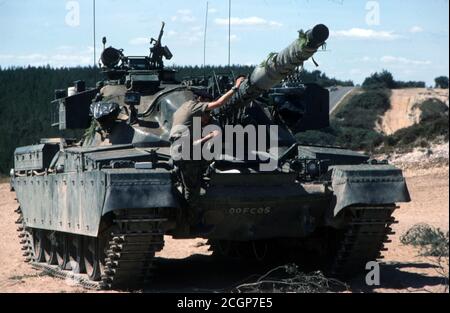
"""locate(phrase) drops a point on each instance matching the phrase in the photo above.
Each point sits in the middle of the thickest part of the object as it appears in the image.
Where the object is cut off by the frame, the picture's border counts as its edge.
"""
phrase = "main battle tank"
(97, 209)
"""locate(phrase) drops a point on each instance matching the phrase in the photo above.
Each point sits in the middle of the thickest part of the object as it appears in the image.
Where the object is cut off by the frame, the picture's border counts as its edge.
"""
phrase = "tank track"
(368, 229)
(131, 244)
(364, 239)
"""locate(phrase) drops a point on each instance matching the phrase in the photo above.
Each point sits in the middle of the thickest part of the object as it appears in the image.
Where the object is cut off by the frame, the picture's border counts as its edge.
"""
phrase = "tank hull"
(239, 206)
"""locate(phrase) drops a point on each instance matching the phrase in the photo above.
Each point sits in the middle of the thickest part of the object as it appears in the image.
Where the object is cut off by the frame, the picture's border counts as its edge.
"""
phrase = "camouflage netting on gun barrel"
(273, 70)
(279, 65)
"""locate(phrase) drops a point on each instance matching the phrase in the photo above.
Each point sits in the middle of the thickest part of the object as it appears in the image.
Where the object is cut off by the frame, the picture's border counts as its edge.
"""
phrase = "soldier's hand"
(239, 81)
(215, 133)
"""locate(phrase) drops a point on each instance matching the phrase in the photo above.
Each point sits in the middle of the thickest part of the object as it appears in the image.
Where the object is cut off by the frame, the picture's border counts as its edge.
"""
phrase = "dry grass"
(288, 279)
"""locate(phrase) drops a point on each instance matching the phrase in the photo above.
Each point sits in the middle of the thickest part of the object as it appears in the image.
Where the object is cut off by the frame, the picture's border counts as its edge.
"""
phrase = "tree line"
(385, 79)
(26, 94)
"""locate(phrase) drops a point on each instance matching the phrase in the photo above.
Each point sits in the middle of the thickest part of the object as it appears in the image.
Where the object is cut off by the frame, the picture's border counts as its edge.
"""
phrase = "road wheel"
(38, 243)
(94, 258)
(50, 247)
(76, 254)
(62, 251)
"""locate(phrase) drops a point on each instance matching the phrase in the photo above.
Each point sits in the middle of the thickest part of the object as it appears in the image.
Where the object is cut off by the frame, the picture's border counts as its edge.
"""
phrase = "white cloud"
(355, 71)
(70, 59)
(196, 28)
(139, 41)
(247, 21)
(400, 60)
(184, 16)
(6, 56)
(65, 48)
(189, 37)
(186, 35)
(65, 57)
(34, 57)
(184, 12)
(212, 10)
(234, 38)
(187, 19)
(416, 29)
(365, 33)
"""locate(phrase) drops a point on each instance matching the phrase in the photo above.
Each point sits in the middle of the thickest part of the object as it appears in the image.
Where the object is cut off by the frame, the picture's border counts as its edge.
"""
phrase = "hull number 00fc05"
(250, 211)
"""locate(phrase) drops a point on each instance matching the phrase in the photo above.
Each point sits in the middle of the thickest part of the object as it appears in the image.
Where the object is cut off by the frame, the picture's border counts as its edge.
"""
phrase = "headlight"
(12, 173)
(312, 168)
(59, 168)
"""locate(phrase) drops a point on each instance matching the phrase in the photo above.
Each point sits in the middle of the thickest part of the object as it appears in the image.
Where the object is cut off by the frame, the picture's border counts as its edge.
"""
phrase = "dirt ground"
(185, 265)
(401, 114)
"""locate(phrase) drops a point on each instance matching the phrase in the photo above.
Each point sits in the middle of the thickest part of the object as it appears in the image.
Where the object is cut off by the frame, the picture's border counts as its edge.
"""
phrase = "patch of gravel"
(422, 158)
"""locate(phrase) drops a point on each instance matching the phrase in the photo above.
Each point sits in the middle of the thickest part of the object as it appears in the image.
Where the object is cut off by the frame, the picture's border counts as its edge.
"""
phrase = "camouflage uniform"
(191, 171)
(185, 116)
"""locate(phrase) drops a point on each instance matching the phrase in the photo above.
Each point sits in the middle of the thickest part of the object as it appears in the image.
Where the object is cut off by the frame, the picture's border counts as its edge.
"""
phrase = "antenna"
(204, 38)
(94, 31)
(229, 33)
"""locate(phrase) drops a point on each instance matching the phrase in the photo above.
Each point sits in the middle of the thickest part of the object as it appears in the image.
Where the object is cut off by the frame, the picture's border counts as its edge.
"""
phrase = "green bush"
(325, 137)
(441, 82)
(429, 240)
(364, 110)
(380, 80)
(386, 80)
(432, 109)
(322, 79)
(358, 138)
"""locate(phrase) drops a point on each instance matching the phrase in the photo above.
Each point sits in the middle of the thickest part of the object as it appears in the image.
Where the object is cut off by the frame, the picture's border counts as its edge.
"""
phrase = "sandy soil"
(185, 265)
(402, 114)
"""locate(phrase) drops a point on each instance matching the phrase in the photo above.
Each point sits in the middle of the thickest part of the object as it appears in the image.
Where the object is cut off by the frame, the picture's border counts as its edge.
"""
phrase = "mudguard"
(368, 184)
(76, 202)
(133, 189)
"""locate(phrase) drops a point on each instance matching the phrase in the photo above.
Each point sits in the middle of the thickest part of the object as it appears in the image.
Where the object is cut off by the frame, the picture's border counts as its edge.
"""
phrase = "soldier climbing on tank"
(191, 171)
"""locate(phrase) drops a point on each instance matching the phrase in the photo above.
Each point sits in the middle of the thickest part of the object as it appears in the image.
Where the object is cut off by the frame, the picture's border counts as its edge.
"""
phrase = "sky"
(409, 38)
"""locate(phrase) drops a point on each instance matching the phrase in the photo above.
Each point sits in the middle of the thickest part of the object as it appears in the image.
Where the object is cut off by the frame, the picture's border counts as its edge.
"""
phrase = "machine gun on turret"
(157, 52)
(138, 72)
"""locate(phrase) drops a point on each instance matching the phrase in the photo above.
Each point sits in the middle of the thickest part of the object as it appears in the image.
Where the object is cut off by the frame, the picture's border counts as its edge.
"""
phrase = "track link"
(364, 238)
(126, 258)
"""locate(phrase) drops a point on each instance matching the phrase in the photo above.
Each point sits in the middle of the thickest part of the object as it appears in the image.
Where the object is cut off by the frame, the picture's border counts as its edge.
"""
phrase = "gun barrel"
(280, 65)
(161, 33)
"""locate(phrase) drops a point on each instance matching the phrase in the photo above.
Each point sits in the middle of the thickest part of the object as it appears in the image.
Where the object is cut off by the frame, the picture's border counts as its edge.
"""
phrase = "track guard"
(368, 184)
(138, 189)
